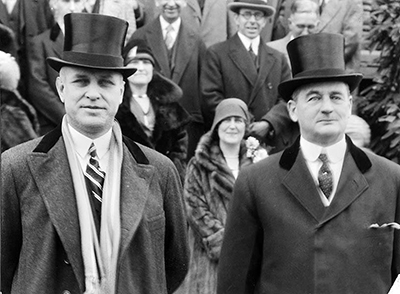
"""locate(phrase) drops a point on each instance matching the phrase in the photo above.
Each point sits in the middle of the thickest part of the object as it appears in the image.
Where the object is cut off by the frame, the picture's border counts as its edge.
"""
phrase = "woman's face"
(144, 72)
(231, 130)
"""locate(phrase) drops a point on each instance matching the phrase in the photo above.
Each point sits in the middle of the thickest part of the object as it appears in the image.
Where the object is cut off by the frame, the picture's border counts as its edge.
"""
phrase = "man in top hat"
(244, 67)
(323, 216)
(85, 209)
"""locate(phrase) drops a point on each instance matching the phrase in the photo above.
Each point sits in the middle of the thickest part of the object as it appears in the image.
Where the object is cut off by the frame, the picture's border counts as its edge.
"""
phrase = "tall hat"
(141, 51)
(93, 41)
(261, 5)
(317, 58)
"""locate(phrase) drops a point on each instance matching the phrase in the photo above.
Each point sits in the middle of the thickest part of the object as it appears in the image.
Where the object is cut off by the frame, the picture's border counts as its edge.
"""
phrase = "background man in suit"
(42, 78)
(84, 209)
(178, 52)
(303, 20)
(244, 67)
(301, 222)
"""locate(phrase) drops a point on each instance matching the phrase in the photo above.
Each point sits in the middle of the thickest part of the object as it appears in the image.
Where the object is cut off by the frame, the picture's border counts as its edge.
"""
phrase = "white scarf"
(98, 257)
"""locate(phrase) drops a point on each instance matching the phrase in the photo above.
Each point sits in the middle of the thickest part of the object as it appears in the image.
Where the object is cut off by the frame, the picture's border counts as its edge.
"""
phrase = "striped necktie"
(325, 178)
(94, 180)
(253, 56)
(169, 40)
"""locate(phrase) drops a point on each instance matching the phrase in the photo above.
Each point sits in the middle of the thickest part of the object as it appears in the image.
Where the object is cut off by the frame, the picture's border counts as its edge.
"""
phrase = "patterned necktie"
(95, 179)
(253, 56)
(325, 178)
(169, 40)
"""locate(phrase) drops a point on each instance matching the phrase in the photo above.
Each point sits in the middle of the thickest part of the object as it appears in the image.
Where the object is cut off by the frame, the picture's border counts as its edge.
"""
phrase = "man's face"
(170, 9)
(303, 23)
(250, 22)
(91, 98)
(62, 7)
(322, 111)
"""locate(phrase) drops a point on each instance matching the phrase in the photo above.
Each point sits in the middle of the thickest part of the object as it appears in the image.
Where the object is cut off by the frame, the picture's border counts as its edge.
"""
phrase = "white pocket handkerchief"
(393, 225)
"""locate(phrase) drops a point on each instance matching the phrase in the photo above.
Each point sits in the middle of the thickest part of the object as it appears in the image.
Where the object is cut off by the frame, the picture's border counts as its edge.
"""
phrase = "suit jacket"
(185, 70)
(342, 17)
(228, 71)
(279, 238)
(280, 45)
(215, 14)
(40, 233)
(42, 78)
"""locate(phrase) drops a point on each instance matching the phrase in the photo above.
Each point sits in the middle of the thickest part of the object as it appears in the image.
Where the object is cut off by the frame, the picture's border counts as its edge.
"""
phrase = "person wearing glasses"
(303, 20)
(245, 67)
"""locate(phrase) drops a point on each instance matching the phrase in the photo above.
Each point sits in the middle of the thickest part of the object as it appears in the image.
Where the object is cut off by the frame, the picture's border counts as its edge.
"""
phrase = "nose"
(326, 106)
(171, 3)
(92, 92)
(72, 6)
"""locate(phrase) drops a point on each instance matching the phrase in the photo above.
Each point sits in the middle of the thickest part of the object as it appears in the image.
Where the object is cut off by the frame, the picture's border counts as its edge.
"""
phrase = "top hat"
(141, 51)
(93, 41)
(261, 5)
(317, 58)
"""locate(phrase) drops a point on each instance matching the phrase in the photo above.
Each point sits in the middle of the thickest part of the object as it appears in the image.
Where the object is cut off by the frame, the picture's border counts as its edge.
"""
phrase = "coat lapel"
(135, 183)
(329, 13)
(241, 58)
(59, 197)
(3, 14)
(156, 44)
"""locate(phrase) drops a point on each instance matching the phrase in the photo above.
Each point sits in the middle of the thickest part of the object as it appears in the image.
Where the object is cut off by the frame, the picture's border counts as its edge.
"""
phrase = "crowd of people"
(174, 148)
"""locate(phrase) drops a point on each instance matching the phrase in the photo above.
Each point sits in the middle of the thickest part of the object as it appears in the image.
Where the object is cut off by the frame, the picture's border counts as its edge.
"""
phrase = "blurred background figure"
(150, 113)
(210, 177)
(359, 131)
(303, 20)
(42, 78)
(18, 117)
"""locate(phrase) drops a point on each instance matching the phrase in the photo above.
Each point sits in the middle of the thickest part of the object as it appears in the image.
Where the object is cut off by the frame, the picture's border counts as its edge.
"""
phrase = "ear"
(60, 89)
(292, 109)
(122, 90)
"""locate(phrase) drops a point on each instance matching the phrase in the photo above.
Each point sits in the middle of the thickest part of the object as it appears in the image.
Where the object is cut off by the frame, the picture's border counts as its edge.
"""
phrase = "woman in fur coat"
(150, 113)
(209, 181)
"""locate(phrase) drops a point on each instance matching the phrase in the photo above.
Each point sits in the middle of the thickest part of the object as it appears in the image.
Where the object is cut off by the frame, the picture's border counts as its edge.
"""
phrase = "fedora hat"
(261, 5)
(317, 58)
(93, 41)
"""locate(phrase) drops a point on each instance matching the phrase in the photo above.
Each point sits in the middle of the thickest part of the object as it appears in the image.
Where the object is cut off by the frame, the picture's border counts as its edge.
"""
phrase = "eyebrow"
(319, 92)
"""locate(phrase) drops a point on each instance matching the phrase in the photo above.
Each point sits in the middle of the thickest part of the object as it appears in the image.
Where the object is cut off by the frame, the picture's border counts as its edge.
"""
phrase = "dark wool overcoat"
(40, 233)
(207, 193)
(279, 238)
(169, 135)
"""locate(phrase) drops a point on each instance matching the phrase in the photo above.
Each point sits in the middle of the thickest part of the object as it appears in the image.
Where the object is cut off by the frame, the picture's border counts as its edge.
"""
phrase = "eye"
(106, 82)
(313, 98)
(81, 82)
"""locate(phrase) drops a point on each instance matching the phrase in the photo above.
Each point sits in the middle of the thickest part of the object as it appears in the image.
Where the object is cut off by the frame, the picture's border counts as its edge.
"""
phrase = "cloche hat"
(93, 41)
(317, 58)
(230, 107)
(261, 5)
(141, 51)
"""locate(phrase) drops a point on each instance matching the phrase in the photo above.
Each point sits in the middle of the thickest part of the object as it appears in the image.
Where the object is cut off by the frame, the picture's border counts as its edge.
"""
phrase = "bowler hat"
(261, 5)
(142, 51)
(93, 41)
(317, 58)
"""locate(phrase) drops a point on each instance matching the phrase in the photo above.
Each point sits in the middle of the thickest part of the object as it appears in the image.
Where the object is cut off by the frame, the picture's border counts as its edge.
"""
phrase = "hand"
(260, 129)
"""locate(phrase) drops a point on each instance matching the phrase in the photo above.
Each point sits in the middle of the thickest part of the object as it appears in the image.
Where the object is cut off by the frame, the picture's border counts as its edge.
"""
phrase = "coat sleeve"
(41, 93)
(241, 254)
(208, 229)
(11, 232)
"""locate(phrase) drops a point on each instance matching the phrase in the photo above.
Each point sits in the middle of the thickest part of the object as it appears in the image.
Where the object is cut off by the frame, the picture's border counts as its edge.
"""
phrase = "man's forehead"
(242, 10)
(336, 86)
(82, 71)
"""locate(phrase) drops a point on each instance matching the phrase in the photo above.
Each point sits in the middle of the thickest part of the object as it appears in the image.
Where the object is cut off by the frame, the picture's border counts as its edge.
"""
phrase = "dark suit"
(42, 78)
(279, 237)
(228, 71)
(40, 233)
(184, 71)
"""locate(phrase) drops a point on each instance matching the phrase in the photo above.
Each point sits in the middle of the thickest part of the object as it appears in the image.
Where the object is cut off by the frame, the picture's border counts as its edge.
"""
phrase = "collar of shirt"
(82, 144)
(175, 25)
(255, 43)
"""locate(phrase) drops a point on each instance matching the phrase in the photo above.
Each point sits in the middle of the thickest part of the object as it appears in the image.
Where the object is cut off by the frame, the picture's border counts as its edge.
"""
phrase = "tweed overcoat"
(228, 71)
(42, 78)
(279, 238)
(169, 135)
(40, 233)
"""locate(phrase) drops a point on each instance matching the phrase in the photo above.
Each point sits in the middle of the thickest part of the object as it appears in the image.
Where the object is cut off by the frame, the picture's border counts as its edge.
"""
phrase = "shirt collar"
(334, 152)
(247, 41)
(82, 143)
(175, 25)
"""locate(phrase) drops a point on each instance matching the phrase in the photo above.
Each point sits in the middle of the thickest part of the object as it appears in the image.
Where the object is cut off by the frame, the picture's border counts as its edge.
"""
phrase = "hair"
(304, 6)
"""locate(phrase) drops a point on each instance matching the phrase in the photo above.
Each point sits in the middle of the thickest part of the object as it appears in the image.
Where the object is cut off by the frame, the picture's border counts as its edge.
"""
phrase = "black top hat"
(93, 41)
(317, 58)
(142, 51)
(261, 5)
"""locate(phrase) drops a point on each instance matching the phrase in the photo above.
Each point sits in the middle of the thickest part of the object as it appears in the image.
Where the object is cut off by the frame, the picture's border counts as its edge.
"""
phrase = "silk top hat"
(317, 58)
(93, 41)
(261, 5)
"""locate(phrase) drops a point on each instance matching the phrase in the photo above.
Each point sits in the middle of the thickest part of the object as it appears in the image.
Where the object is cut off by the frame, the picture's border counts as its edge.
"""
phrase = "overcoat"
(228, 71)
(279, 238)
(42, 78)
(40, 233)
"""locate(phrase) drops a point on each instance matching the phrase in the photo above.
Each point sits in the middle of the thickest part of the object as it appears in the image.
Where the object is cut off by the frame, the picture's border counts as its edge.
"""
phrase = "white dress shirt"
(175, 25)
(335, 155)
(255, 43)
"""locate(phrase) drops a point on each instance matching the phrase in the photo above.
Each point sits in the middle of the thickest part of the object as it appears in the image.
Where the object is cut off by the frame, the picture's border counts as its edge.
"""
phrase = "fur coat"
(169, 136)
(207, 191)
